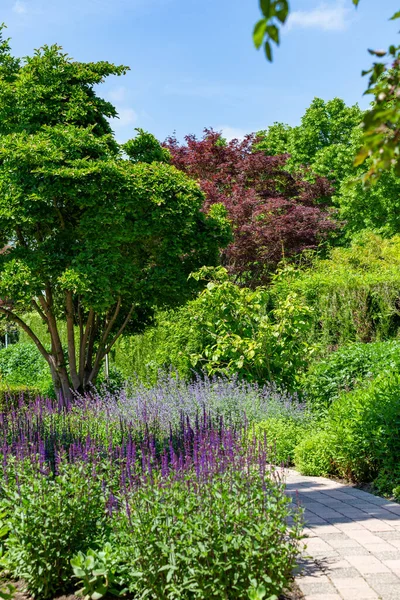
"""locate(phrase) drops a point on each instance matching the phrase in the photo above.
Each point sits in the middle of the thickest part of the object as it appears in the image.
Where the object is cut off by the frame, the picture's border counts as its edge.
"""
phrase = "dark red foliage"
(275, 213)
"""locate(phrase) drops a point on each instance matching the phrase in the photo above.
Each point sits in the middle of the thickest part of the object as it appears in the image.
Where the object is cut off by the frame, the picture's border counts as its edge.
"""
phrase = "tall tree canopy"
(96, 237)
(327, 142)
(274, 213)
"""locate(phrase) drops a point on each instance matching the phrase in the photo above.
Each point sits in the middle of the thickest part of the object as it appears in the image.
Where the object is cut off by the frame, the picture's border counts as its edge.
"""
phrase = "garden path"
(353, 543)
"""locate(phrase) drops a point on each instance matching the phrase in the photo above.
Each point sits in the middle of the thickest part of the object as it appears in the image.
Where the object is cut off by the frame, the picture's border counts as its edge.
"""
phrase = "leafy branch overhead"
(381, 126)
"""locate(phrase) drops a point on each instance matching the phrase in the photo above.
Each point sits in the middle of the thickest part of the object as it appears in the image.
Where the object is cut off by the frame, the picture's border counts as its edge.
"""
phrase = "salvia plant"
(125, 496)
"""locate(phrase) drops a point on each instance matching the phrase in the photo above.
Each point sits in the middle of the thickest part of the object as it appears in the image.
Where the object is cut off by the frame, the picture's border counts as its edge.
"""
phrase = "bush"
(353, 295)
(192, 515)
(283, 434)
(313, 455)
(13, 396)
(360, 438)
(49, 520)
(22, 365)
(230, 330)
(366, 426)
(346, 368)
(192, 540)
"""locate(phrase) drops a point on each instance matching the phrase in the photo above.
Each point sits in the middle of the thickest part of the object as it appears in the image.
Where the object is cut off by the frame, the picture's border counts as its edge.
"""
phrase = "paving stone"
(389, 535)
(336, 563)
(324, 529)
(386, 591)
(394, 555)
(376, 525)
(367, 564)
(345, 543)
(394, 565)
(323, 597)
(323, 586)
(363, 536)
(355, 589)
(349, 526)
(382, 578)
(383, 548)
(353, 551)
(341, 573)
(353, 539)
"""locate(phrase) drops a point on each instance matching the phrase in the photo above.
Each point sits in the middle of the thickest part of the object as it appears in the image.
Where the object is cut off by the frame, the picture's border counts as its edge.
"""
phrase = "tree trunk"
(61, 384)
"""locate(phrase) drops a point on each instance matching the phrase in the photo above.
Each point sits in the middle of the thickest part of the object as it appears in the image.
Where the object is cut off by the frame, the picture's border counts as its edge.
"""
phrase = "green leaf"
(268, 51)
(273, 33)
(259, 32)
(282, 10)
(395, 16)
(266, 8)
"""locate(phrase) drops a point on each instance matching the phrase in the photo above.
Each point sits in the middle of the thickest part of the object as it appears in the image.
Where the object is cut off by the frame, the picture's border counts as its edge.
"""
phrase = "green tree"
(95, 238)
(326, 143)
(326, 140)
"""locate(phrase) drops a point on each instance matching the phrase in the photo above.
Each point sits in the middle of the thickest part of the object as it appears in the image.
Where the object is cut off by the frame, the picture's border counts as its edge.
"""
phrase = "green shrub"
(283, 434)
(346, 368)
(22, 365)
(360, 438)
(221, 539)
(49, 520)
(313, 455)
(353, 295)
(366, 425)
(229, 330)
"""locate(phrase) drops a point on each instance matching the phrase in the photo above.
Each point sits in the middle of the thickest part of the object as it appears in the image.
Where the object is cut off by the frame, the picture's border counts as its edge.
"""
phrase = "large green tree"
(326, 144)
(96, 234)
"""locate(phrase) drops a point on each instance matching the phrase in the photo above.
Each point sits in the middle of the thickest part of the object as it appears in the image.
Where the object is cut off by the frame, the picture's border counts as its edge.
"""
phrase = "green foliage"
(313, 456)
(365, 424)
(325, 141)
(99, 238)
(182, 546)
(348, 367)
(231, 330)
(100, 573)
(326, 144)
(50, 520)
(370, 207)
(353, 295)
(381, 125)
(283, 434)
(358, 437)
(266, 30)
(22, 364)
(7, 591)
(146, 148)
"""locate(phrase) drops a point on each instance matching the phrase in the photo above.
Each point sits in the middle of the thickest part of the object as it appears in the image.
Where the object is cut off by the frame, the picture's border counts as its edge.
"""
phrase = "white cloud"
(232, 133)
(127, 116)
(19, 7)
(327, 17)
(118, 94)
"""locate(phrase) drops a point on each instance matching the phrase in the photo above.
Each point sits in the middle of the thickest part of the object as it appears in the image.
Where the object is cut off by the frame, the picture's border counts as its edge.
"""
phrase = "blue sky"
(193, 64)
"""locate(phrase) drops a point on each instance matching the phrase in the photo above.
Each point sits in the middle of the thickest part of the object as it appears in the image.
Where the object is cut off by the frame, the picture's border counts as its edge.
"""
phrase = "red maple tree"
(275, 214)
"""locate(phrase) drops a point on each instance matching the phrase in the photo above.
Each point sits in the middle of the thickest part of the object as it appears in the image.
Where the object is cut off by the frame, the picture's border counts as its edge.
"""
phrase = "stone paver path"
(353, 543)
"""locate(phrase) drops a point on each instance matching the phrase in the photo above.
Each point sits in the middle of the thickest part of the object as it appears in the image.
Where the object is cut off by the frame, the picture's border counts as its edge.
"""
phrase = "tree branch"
(101, 353)
(13, 317)
(84, 339)
(39, 311)
(120, 330)
(111, 323)
(69, 305)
